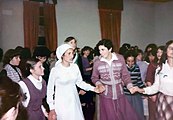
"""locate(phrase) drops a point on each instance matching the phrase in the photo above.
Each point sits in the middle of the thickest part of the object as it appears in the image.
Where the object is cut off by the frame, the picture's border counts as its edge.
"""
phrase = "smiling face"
(104, 52)
(68, 56)
(86, 53)
(130, 61)
(38, 70)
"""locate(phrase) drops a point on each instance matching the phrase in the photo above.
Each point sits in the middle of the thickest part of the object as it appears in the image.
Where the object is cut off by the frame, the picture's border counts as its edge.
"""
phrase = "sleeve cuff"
(98, 83)
(130, 85)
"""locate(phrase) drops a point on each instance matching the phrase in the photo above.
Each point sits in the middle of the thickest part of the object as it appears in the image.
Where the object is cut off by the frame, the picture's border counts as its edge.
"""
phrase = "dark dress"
(36, 96)
(88, 98)
(150, 78)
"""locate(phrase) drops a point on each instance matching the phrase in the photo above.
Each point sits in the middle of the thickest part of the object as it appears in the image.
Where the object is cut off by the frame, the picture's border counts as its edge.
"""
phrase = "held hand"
(140, 90)
(133, 89)
(99, 88)
(52, 115)
(82, 92)
(136, 89)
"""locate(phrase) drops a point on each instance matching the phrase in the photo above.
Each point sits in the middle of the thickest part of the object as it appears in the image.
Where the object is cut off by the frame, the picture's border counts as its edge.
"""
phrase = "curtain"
(31, 23)
(50, 26)
(110, 23)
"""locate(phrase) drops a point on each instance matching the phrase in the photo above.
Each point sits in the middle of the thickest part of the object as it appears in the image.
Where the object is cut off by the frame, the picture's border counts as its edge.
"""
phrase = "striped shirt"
(135, 75)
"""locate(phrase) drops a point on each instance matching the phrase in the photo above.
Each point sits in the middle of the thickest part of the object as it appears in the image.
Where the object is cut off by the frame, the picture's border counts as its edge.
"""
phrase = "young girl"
(134, 99)
(34, 87)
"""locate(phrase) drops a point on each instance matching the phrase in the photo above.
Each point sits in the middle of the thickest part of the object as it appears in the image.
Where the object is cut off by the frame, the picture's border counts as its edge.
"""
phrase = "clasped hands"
(135, 89)
(99, 88)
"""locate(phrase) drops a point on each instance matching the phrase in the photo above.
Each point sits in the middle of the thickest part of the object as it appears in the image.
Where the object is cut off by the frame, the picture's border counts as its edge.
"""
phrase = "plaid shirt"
(13, 73)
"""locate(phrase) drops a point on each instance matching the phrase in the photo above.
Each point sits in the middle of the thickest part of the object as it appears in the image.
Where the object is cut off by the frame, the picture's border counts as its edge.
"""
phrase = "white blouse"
(163, 81)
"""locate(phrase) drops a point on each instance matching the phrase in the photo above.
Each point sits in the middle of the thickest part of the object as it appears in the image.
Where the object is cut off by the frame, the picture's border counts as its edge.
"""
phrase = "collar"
(114, 57)
(35, 80)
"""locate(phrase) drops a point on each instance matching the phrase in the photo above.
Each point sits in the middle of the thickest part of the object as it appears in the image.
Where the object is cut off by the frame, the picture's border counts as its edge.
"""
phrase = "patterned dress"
(113, 105)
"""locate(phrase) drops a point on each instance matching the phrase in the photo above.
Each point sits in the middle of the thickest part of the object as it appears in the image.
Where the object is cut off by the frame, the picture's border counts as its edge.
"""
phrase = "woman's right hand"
(52, 115)
(99, 88)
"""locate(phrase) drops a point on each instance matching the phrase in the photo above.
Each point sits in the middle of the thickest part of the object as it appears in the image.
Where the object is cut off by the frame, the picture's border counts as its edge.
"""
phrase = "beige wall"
(142, 23)
(11, 34)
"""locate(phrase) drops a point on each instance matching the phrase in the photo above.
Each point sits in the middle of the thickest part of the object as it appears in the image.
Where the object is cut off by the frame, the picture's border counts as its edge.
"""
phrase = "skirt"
(118, 109)
(164, 105)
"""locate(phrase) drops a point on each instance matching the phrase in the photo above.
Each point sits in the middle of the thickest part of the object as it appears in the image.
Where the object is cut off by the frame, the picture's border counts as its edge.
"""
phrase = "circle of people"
(86, 84)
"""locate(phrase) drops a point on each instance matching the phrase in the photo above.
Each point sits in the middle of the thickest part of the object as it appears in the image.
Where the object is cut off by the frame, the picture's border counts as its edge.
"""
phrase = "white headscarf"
(61, 50)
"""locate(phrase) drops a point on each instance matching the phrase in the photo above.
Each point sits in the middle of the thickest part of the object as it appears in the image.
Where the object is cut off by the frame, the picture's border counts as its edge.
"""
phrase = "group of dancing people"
(117, 78)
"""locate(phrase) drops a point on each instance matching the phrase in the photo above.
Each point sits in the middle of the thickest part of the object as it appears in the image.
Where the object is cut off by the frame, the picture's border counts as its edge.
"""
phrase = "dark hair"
(152, 46)
(41, 51)
(8, 56)
(19, 49)
(139, 51)
(164, 55)
(30, 65)
(156, 60)
(85, 48)
(130, 53)
(10, 94)
(25, 53)
(96, 51)
(151, 52)
(126, 45)
(68, 39)
(105, 42)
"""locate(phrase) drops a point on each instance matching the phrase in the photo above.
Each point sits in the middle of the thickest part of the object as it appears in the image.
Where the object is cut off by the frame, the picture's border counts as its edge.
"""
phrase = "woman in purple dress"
(110, 71)
(34, 87)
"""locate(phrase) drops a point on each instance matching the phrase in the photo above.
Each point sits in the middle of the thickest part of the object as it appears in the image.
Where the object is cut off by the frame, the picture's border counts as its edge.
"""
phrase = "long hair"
(156, 59)
(164, 55)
